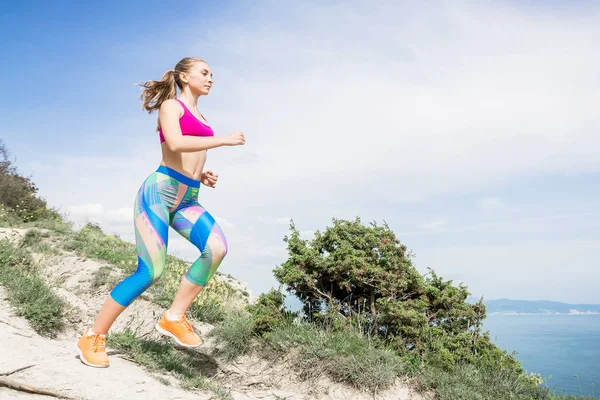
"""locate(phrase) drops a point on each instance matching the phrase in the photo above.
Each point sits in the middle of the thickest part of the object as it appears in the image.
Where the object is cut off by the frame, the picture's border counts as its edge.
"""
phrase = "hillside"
(141, 360)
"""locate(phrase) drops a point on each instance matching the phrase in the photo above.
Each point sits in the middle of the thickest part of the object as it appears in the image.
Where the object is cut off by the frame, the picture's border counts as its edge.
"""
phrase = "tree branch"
(328, 296)
(16, 385)
(16, 370)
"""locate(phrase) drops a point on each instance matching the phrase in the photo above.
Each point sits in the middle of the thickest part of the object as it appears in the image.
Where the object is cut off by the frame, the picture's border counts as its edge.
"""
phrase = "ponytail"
(156, 92)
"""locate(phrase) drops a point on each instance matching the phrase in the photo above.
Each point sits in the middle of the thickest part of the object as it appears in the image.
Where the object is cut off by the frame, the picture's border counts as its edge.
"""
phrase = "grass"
(209, 311)
(478, 383)
(345, 356)
(34, 241)
(91, 242)
(190, 367)
(58, 226)
(31, 297)
(104, 277)
(234, 335)
(484, 383)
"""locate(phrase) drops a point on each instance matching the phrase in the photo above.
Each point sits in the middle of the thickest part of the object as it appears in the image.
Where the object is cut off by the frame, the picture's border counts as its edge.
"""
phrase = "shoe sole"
(83, 360)
(167, 333)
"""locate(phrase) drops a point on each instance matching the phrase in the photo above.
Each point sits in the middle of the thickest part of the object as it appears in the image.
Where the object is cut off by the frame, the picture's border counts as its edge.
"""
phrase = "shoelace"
(99, 343)
(186, 324)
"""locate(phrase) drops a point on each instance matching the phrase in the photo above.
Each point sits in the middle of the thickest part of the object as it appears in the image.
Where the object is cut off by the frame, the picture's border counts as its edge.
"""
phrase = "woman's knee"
(218, 248)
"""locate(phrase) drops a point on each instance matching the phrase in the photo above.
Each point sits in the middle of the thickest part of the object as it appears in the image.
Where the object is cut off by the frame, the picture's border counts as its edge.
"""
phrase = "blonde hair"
(157, 92)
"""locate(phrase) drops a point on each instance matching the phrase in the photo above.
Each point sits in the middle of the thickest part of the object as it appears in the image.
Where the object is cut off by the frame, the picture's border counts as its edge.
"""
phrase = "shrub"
(269, 313)
(344, 355)
(18, 194)
(28, 293)
(234, 334)
(361, 275)
(8, 217)
(480, 382)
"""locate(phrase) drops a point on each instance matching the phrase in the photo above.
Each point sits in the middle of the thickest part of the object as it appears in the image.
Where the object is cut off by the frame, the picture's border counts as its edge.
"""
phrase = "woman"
(168, 197)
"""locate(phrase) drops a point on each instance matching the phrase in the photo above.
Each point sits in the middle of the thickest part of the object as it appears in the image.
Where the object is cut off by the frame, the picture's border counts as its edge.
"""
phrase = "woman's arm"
(168, 117)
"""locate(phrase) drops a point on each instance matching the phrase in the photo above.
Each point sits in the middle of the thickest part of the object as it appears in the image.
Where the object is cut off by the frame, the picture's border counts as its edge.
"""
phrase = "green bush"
(361, 276)
(269, 313)
(18, 194)
(8, 218)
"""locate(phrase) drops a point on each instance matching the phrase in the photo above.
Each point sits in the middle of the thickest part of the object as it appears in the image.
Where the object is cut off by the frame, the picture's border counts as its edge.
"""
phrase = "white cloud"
(120, 215)
(223, 222)
(307, 234)
(274, 220)
(435, 226)
(552, 221)
(491, 203)
(95, 212)
(86, 210)
(117, 221)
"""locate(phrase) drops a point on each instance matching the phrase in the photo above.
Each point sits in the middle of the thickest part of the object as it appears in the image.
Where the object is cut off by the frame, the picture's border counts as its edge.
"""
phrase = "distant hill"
(544, 307)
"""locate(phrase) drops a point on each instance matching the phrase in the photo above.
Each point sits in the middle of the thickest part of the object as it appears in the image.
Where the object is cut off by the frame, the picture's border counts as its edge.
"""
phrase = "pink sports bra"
(190, 125)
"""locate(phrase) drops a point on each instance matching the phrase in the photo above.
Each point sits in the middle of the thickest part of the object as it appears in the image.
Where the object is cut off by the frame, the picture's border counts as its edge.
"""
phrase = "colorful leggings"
(168, 198)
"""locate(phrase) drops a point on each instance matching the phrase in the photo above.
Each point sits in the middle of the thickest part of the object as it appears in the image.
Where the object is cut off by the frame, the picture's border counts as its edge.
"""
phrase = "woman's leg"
(151, 219)
(107, 315)
(199, 227)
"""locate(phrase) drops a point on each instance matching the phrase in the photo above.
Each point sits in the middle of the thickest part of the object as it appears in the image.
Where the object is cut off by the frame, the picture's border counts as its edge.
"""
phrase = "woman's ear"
(183, 77)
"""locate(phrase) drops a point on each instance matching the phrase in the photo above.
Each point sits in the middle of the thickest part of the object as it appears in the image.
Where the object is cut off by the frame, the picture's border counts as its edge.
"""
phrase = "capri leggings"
(169, 198)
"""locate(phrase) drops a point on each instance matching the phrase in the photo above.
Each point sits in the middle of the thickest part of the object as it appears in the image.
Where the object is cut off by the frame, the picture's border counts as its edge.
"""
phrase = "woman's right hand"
(235, 139)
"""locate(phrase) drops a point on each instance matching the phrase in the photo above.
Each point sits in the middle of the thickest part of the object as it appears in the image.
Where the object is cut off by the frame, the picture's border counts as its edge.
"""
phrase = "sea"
(563, 349)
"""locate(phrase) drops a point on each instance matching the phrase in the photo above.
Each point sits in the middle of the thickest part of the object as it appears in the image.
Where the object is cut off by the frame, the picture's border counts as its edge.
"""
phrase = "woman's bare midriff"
(189, 164)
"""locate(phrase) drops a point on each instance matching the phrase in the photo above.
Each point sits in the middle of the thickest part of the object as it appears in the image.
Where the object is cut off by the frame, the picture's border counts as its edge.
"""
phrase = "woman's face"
(199, 78)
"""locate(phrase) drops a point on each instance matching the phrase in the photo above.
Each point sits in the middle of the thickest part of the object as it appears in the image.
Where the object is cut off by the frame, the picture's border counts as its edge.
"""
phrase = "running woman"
(169, 197)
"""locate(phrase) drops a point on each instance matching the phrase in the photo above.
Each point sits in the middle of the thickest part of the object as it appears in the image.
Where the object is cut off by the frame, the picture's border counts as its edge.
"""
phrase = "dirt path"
(57, 367)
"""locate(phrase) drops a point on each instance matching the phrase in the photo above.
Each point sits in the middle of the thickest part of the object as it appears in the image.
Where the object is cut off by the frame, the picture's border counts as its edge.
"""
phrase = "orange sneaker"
(92, 350)
(180, 330)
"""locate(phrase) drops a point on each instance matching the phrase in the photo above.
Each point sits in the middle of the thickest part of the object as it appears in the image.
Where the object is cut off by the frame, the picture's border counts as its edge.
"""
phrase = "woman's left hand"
(209, 178)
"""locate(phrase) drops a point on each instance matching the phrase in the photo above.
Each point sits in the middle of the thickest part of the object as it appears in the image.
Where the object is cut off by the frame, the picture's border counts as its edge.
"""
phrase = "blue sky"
(471, 129)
